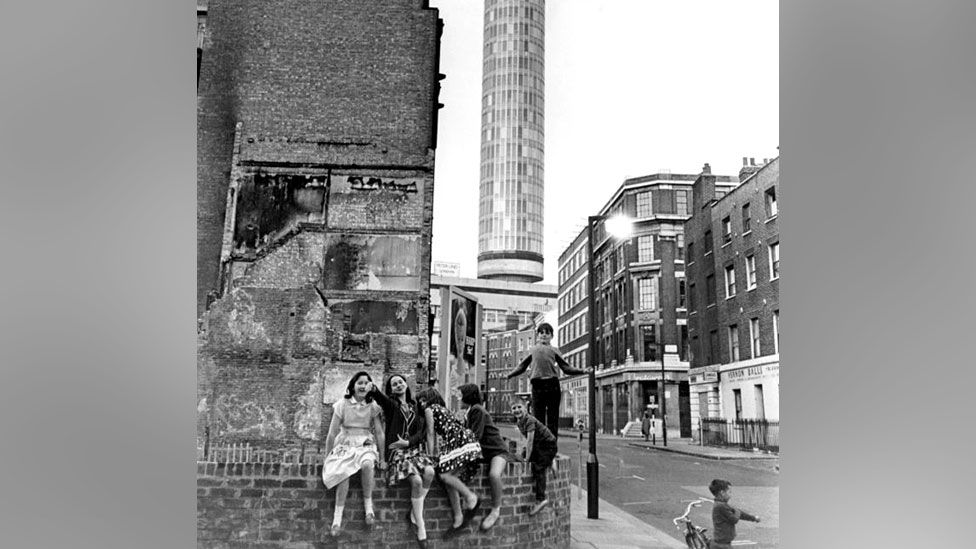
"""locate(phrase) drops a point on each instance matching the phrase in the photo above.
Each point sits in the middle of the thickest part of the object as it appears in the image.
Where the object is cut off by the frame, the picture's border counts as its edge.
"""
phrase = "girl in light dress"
(355, 434)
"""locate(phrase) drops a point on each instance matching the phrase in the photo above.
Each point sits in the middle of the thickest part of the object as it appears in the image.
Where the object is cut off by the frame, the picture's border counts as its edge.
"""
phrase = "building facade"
(640, 306)
(510, 206)
(504, 352)
(315, 171)
(733, 276)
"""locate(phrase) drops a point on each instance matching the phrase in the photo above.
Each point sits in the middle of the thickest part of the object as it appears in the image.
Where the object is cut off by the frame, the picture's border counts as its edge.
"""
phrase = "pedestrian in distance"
(408, 456)
(355, 433)
(540, 451)
(724, 516)
(493, 448)
(646, 425)
(459, 456)
(546, 361)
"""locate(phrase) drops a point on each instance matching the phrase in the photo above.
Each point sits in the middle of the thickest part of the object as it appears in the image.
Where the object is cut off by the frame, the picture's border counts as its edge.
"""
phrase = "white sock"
(368, 503)
(418, 513)
(337, 516)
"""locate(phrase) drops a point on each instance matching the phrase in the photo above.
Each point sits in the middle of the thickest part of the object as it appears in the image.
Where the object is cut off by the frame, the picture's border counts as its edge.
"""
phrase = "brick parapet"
(279, 505)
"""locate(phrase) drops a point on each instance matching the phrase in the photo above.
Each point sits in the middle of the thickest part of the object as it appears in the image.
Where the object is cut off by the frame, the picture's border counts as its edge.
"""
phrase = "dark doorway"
(684, 408)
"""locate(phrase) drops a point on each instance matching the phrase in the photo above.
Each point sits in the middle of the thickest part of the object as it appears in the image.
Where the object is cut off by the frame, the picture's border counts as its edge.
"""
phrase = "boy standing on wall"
(544, 377)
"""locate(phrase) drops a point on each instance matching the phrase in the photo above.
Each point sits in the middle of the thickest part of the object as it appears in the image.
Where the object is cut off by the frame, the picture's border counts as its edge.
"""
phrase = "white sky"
(633, 87)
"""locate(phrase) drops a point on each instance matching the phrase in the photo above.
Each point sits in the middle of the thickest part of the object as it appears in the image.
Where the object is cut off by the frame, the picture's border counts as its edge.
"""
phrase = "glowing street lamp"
(617, 226)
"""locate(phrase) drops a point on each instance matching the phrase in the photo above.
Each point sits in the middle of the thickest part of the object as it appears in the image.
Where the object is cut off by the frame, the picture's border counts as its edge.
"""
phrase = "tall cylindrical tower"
(510, 212)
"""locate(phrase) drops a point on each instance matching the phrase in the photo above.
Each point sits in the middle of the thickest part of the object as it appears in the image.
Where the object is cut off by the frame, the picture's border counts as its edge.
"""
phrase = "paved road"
(656, 486)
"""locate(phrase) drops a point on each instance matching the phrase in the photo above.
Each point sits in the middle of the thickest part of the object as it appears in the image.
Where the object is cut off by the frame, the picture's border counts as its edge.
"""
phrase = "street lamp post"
(619, 227)
(664, 403)
(592, 467)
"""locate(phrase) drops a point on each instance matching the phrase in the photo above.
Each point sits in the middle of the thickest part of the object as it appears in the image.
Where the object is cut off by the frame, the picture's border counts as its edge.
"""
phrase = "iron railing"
(747, 434)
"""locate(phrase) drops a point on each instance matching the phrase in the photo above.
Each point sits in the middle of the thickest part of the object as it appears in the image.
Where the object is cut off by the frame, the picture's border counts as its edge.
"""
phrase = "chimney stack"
(706, 169)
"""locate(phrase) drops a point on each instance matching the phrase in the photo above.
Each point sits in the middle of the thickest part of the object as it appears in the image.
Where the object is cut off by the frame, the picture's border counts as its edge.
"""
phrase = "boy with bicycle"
(724, 516)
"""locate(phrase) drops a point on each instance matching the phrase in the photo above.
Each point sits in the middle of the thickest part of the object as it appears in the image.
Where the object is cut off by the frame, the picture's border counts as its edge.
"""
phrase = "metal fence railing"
(743, 433)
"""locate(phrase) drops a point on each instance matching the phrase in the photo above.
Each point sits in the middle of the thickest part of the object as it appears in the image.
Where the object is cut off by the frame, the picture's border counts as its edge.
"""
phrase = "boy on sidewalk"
(724, 516)
(540, 450)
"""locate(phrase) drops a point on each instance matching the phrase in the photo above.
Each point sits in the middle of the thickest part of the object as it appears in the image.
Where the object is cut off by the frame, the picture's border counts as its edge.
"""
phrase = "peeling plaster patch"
(308, 415)
(241, 322)
(314, 328)
(235, 416)
(372, 262)
(385, 317)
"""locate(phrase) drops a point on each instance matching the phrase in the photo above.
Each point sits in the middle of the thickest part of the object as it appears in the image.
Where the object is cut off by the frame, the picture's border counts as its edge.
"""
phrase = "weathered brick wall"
(311, 82)
(316, 125)
(265, 505)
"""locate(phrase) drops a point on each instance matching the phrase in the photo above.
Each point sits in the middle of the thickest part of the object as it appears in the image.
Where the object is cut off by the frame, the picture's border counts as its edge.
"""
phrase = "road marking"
(639, 478)
(744, 542)
(639, 503)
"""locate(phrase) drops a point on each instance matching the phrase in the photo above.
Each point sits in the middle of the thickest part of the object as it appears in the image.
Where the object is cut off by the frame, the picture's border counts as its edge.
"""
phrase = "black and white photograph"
(599, 181)
(304, 274)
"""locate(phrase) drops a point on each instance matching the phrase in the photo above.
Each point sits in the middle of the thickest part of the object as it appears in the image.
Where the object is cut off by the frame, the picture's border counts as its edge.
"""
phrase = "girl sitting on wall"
(459, 457)
(354, 435)
(408, 456)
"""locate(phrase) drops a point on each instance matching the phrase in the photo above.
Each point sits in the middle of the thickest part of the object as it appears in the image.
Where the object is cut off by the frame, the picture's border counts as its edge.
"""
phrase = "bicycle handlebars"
(684, 517)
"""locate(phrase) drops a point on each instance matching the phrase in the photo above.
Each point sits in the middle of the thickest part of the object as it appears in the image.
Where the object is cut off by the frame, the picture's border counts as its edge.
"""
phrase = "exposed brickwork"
(279, 505)
(721, 385)
(317, 125)
(338, 83)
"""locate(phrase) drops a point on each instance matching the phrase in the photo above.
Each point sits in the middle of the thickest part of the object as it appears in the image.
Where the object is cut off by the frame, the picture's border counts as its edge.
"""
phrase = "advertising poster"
(460, 331)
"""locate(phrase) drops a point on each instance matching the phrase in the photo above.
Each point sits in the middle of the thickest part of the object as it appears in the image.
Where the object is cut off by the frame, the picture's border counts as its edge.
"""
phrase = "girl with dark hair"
(408, 458)
(459, 457)
(493, 447)
(355, 432)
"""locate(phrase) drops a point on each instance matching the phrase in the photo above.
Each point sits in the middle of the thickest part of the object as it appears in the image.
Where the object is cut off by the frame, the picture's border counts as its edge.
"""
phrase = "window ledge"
(752, 289)
(772, 218)
(774, 278)
(729, 243)
(728, 297)
(708, 253)
(747, 233)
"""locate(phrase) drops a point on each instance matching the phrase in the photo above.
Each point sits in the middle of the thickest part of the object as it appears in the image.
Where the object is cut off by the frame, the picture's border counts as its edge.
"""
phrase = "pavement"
(681, 446)
(618, 529)
(614, 529)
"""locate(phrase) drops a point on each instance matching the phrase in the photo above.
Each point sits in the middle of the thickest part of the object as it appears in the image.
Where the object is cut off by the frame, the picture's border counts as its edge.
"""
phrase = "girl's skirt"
(406, 462)
(351, 451)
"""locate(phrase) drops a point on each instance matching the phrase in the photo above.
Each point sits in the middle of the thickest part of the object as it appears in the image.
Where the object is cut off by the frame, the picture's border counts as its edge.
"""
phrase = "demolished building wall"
(316, 136)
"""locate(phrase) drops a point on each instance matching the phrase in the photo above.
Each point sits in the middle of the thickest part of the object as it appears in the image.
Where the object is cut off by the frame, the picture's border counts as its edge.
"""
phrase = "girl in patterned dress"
(354, 435)
(459, 457)
(408, 457)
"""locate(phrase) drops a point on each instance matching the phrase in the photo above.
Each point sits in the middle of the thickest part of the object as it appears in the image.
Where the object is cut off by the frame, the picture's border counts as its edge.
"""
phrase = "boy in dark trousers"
(540, 450)
(724, 516)
(546, 362)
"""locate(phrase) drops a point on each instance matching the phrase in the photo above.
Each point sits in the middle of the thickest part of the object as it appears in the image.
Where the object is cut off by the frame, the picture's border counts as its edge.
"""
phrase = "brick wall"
(339, 83)
(281, 505)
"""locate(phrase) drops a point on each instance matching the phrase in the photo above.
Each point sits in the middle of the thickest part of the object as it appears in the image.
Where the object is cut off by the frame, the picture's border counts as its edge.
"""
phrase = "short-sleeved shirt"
(528, 423)
(356, 415)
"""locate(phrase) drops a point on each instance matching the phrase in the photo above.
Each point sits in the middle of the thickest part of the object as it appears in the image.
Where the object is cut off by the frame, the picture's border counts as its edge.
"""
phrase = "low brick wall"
(286, 506)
